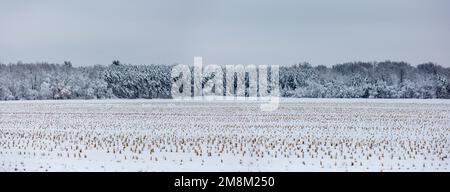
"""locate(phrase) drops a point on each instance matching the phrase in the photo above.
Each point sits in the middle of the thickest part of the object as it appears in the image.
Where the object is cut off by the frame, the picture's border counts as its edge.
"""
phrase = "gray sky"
(89, 32)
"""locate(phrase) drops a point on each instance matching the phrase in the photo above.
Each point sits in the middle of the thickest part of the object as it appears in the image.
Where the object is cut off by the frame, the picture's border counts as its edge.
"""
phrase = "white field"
(168, 135)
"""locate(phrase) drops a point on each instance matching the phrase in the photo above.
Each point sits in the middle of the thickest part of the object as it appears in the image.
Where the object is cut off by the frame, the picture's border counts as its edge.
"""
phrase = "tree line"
(39, 81)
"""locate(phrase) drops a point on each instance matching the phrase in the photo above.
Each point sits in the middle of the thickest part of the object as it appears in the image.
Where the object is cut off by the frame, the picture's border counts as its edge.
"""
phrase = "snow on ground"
(168, 135)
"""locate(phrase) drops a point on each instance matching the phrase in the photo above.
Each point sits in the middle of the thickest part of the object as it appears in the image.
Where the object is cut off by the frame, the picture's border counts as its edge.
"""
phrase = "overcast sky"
(89, 32)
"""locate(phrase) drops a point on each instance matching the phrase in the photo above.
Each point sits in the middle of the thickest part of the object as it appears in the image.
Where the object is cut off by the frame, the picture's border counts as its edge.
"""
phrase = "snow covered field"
(168, 135)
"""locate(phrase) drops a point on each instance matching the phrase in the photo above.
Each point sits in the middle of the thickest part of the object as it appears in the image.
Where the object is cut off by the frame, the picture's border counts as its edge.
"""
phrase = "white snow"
(198, 135)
